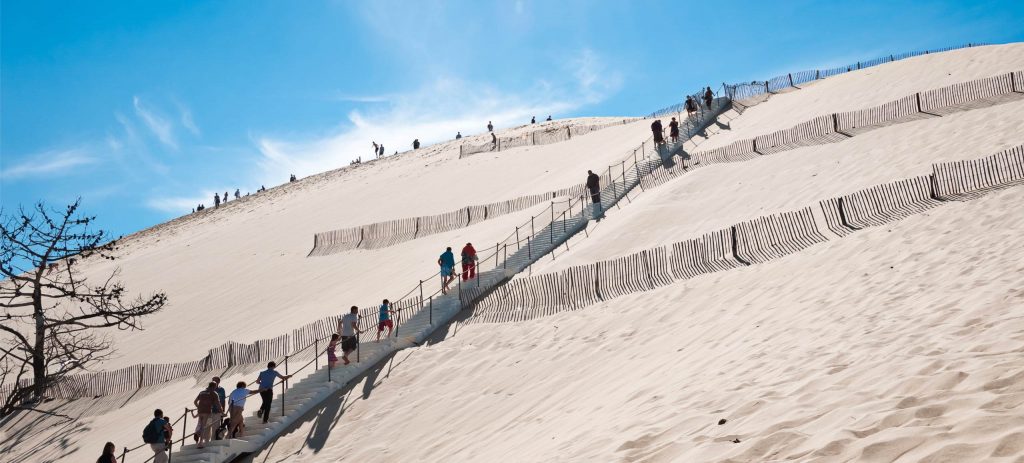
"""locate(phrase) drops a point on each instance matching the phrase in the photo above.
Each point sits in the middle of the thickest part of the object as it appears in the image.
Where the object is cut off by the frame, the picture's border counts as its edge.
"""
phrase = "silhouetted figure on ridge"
(533, 120)
(216, 200)
(490, 127)
(549, 118)
(416, 144)
(709, 97)
(673, 130)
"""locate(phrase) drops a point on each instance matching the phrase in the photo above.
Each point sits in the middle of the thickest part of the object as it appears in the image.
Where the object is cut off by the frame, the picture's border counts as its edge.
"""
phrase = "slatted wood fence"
(753, 242)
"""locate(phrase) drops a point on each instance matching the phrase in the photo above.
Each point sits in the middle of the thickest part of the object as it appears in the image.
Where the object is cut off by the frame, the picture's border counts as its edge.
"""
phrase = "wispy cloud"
(432, 113)
(595, 79)
(435, 112)
(48, 164)
(187, 121)
(160, 126)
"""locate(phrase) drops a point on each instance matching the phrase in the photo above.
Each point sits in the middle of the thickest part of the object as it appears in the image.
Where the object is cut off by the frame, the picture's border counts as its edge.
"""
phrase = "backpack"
(153, 433)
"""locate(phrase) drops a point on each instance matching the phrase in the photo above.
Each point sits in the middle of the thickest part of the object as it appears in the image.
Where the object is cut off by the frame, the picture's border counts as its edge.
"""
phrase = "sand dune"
(897, 343)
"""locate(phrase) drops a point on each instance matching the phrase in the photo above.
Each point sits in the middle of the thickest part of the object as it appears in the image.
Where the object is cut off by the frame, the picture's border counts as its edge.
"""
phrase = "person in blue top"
(266, 380)
(447, 263)
(385, 319)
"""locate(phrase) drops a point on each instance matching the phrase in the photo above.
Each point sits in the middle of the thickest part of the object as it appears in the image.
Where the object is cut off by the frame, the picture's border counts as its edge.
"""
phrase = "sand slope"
(899, 343)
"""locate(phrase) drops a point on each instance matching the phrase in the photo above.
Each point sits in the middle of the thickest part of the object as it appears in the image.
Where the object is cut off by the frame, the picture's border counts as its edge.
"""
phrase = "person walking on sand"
(222, 399)
(216, 200)
(416, 144)
(494, 141)
(238, 193)
(691, 107)
(490, 126)
(108, 454)
(381, 153)
(332, 347)
(207, 404)
(375, 150)
(673, 130)
(709, 97)
(266, 380)
(594, 186)
(549, 118)
(533, 120)
(348, 327)
(469, 260)
(658, 132)
(385, 319)
(236, 423)
(447, 264)
(458, 136)
(156, 434)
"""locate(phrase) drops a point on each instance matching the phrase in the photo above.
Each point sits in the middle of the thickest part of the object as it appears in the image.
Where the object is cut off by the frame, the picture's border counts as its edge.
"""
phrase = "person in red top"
(468, 262)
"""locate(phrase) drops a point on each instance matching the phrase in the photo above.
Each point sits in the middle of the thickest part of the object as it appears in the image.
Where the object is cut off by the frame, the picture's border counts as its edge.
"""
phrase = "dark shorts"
(657, 137)
(349, 343)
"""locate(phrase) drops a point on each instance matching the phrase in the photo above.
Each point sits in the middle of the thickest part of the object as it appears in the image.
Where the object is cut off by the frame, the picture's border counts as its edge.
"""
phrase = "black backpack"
(153, 433)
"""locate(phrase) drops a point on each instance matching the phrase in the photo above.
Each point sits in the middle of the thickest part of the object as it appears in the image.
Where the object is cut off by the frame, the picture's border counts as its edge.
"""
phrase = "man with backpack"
(207, 404)
(469, 260)
(154, 435)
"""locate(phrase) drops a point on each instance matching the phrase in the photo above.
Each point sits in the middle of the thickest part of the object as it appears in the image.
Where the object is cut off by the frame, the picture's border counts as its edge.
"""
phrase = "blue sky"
(145, 108)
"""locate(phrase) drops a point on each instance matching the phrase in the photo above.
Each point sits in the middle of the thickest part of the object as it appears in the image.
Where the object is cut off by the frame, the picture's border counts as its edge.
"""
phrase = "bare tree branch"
(53, 318)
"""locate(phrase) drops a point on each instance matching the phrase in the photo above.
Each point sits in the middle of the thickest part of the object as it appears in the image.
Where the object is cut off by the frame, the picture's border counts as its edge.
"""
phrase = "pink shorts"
(385, 323)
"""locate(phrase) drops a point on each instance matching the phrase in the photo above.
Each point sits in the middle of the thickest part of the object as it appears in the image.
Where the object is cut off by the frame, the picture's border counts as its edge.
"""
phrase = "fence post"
(504, 262)
(329, 380)
(791, 80)
(533, 231)
(568, 131)
(858, 64)
(817, 74)
(529, 251)
(517, 238)
(316, 353)
(766, 87)
(431, 305)
(184, 424)
(551, 234)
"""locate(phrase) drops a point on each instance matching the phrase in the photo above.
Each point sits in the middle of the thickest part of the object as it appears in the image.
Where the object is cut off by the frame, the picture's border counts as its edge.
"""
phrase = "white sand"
(242, 274)
(895, 344)
(898, 339)
(861, 89)
(721, 195)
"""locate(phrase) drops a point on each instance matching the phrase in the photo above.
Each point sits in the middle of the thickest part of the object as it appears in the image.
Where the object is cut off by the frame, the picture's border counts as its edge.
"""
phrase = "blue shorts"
(446, 271)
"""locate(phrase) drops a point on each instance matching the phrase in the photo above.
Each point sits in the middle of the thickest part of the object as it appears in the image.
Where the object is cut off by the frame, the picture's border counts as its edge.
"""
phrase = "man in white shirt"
(348, 327)
(236, 404)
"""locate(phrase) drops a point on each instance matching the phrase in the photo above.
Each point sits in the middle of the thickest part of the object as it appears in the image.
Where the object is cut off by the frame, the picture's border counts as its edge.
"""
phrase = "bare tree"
(54, 320)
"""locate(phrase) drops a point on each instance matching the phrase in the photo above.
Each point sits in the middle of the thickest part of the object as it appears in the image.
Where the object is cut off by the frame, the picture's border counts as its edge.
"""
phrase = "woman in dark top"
(108, 454)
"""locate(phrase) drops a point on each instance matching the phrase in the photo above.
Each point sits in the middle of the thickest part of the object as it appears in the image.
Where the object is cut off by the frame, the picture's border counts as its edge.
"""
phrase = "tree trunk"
(38, 348)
